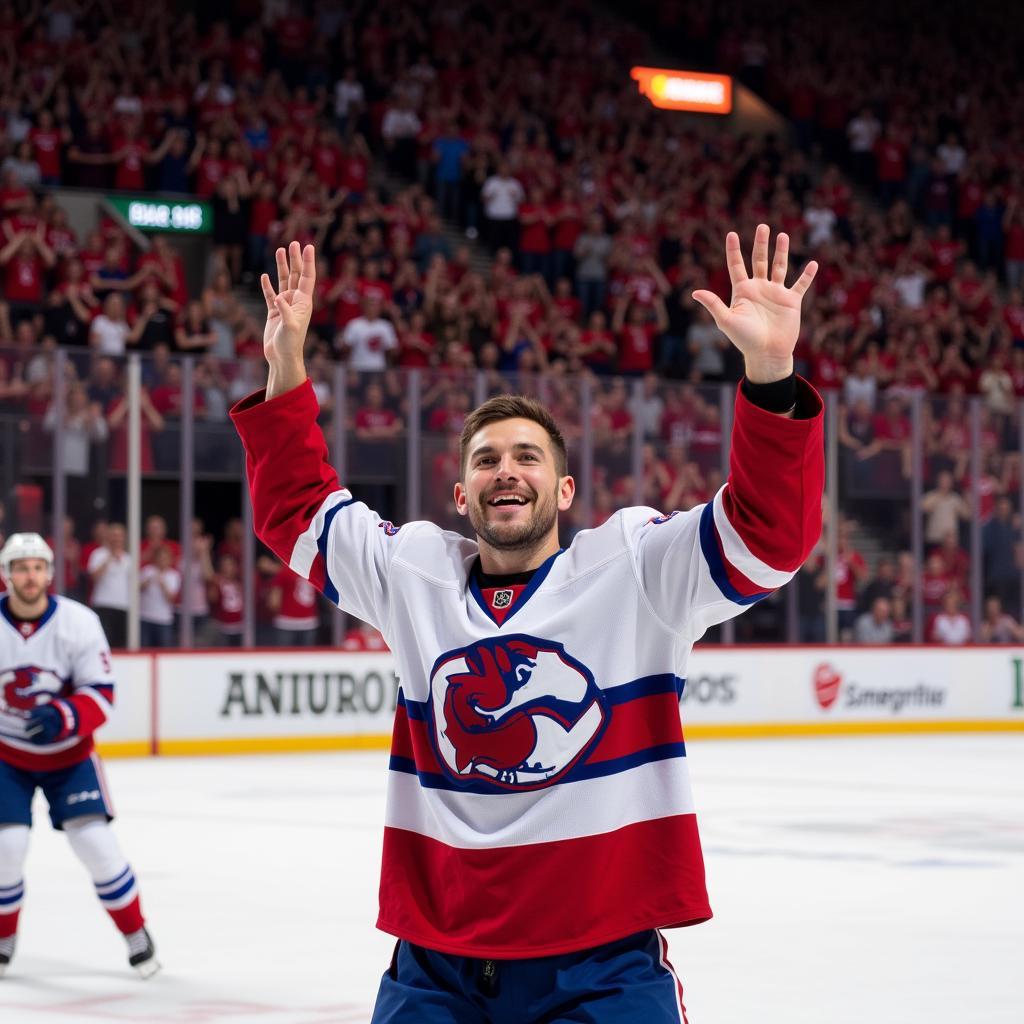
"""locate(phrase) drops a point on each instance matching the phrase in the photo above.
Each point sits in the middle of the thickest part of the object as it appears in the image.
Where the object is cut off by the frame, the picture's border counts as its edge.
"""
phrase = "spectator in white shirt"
(950, 626)
(109, 570)
(909, 281)
(943, 508)
(349, 100)
(952, 156)
(859, 385)
(820, 219)
(862, 133)
(110, 333)
(399, 129)
(159, 586)
(502, 196)
(368, 338)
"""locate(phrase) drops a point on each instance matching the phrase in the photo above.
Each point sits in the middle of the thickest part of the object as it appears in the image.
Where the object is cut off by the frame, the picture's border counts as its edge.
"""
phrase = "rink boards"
(302, 700)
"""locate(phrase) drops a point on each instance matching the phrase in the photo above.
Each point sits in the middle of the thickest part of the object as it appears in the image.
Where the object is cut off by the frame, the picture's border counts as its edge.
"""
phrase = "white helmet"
(24, 545)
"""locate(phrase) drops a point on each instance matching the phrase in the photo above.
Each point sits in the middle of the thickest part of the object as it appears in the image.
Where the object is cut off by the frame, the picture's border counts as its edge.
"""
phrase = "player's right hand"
(289, 308)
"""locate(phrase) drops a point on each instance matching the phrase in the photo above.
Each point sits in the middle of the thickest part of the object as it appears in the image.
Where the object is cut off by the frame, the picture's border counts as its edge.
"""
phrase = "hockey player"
(56, 689)
(540, 829)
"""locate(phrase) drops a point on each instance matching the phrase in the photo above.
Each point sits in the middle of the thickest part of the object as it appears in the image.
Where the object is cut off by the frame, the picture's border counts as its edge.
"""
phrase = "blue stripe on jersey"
(581, 772)
(105, 690)
(330, 590)
(647, 686)
(118, 893)
(709, 545)
(666, 682)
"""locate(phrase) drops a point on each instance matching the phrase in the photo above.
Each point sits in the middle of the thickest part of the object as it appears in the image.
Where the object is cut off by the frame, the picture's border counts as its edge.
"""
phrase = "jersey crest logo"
(389, 527)
(502, 598)
(516, 711)
(22, 688)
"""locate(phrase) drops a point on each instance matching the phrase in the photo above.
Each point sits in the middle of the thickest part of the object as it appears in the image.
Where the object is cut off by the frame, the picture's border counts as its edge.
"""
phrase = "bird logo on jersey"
(514, 711)
(22, 688)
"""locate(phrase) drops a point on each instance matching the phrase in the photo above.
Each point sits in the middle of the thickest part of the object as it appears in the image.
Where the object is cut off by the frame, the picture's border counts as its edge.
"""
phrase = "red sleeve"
(776, 479)
(287, 467)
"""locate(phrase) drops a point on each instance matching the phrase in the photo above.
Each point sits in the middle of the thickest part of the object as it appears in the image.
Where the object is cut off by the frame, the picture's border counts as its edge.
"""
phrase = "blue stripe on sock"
(116, 878)
(6, 901)
(118, 893)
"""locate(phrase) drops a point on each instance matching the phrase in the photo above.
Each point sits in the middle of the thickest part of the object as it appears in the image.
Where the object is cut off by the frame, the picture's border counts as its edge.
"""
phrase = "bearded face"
(514, 517)
(512, 492)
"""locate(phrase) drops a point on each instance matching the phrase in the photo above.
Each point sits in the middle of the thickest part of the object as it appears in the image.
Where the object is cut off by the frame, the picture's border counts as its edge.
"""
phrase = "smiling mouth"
(508, 501)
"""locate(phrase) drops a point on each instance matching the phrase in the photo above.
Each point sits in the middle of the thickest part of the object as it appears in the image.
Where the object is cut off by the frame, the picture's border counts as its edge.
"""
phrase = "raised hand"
(288, 312)
(763, 319)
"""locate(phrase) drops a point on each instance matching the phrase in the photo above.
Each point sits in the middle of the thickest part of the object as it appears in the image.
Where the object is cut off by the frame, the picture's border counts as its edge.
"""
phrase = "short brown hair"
(512, 407)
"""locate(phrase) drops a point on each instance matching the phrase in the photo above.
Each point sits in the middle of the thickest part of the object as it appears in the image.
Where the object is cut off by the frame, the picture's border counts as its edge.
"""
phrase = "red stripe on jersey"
(640, 724)
(31, 761)
(776, 475)
(411, 739)
(634, 726)
(507, 903)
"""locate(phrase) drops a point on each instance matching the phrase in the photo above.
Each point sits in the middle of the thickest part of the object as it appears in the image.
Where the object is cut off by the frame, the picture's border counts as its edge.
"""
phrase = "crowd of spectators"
(287, 611)
(521, 128)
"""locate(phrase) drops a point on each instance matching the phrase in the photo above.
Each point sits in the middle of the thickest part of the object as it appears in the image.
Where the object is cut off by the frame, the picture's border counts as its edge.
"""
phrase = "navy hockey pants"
(623, 982)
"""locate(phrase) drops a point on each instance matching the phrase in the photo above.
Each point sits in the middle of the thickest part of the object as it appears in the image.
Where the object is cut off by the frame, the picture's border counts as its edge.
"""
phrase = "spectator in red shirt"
(891, 432)
(25, 259)
(596, 346)
(117, 422)
(851, 573)
(567, 226)
(637, 328)
(416, 345)
(227, 602)
(891, 165)
(48, 141)
(292, 600)
(373, 420)
(1013, 248)
(535, 223)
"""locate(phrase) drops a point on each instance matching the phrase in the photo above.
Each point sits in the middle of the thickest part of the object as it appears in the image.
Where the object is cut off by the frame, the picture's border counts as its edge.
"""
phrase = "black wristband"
(778, 396)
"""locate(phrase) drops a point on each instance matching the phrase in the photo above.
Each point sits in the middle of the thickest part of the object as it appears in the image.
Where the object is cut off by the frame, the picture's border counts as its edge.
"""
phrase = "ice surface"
(854, 879)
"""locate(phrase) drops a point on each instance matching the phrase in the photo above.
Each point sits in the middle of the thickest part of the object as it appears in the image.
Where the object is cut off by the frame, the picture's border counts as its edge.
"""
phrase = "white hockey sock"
(96, 846)
(13, 848)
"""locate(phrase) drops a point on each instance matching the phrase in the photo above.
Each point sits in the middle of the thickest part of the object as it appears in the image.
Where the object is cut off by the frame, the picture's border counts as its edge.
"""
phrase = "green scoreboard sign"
(148, 213)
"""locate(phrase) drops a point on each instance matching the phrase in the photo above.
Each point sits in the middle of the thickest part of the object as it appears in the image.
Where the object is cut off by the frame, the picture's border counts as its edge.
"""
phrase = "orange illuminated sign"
(685, 90)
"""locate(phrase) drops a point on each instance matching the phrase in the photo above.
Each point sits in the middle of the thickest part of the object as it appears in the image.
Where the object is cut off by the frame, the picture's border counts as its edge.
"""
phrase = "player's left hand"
(763, 319)
(44, 724)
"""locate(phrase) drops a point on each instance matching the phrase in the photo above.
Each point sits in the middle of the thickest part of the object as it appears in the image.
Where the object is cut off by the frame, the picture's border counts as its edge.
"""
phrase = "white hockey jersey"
(538, 796)
(64, 661)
